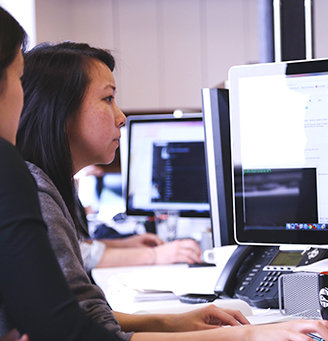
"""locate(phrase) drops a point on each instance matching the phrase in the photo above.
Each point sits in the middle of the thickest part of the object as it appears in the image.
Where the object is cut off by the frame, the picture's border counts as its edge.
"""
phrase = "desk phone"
(252, 272)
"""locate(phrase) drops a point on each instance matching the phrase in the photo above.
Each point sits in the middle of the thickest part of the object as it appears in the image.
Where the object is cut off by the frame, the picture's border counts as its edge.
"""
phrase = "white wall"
(167, 50)
(320, 13)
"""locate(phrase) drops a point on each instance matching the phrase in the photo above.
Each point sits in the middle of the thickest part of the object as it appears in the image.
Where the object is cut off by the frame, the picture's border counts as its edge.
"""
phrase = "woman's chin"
(107, 161)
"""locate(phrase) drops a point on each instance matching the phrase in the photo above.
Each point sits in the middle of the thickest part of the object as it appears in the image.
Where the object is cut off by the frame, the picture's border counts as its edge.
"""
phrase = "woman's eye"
(109, 98)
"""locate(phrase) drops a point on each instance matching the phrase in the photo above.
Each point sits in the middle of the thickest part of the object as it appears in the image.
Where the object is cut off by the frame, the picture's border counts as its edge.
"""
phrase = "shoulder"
(42, 179)
(11, 162)
(12, 166)
(51, 201)
(18, 192)
(7, 147)
(44, 183)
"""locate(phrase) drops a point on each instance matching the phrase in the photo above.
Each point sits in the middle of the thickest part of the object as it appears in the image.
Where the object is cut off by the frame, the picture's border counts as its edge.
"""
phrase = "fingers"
(142, 240)
(178, 251)
(212, 317)
(187, 256)
(151, 239)
(190, 243)
(291, 331)
(188, 251)
(317, 326)
(233, 317)
(229, 317)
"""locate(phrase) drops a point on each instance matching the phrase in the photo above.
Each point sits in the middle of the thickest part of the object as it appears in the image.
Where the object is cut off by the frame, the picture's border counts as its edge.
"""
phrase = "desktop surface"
(155, 296)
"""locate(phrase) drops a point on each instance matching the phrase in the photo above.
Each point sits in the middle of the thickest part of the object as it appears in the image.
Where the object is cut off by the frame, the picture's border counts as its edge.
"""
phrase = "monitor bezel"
(265, 237)
(215, 102)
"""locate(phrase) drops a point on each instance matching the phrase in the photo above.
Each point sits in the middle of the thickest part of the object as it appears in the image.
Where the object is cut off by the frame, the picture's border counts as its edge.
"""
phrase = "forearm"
(136, 241)
(146, 323)
(285, 331)
(217, 334)
(127, 257)
(114, 243)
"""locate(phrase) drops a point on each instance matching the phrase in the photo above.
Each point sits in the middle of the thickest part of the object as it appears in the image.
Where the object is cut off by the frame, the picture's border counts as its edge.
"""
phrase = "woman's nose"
(120, 118)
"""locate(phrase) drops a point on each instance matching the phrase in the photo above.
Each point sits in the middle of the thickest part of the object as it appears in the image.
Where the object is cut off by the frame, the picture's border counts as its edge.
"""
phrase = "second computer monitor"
(166, 165)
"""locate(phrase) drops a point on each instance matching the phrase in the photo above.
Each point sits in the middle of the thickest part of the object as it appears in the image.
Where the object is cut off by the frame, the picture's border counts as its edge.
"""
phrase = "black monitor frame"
(218, 162)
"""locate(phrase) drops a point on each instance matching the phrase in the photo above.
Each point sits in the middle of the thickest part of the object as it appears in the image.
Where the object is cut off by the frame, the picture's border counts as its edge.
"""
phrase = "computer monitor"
(279, 127)
(166, 165)
(218, 161)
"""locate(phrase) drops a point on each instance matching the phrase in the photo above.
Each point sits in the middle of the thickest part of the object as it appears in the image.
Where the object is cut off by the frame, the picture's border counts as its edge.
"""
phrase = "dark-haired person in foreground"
(34, 295)
(70, 120)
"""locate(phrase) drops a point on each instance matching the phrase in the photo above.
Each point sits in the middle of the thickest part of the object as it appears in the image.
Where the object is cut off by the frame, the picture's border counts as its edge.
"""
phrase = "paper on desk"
(118, 293)
(180, 280)
(159, 282)
(319, 266)
(237, 304)
(270, 316)
(153, 295)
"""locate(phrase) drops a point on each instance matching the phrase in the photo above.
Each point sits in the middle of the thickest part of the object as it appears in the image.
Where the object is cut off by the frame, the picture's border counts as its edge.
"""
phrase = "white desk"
(124, 286)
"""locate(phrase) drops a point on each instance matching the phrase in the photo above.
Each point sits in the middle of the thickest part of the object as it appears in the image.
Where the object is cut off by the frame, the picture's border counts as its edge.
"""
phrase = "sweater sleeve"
(65, 243)
(33, 290)
(92, 253)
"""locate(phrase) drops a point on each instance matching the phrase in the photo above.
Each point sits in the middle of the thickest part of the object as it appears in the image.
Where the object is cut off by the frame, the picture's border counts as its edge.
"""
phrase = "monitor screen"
(166, 165)
(279, 121)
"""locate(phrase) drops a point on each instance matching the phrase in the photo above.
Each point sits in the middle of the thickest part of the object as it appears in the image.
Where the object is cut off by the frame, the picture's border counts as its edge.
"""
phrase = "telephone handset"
(226, 283)
(252, 272)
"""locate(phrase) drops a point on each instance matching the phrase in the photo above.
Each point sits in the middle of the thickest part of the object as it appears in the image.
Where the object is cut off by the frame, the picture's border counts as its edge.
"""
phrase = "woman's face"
(94, 131)
(12, 99)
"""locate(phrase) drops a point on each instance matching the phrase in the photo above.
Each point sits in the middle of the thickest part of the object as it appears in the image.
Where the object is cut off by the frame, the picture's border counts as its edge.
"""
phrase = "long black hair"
(12, 37)
(55, 81)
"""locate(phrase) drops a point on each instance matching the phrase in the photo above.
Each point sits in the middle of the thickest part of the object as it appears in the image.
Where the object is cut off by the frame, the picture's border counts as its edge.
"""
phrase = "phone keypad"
(268, 282)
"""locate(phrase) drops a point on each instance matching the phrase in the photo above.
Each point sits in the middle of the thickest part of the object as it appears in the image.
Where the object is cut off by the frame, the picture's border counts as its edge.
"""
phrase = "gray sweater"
(64, 240)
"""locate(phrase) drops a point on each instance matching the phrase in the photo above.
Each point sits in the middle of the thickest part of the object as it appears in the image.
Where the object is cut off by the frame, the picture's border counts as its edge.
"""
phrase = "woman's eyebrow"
(109, 86)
